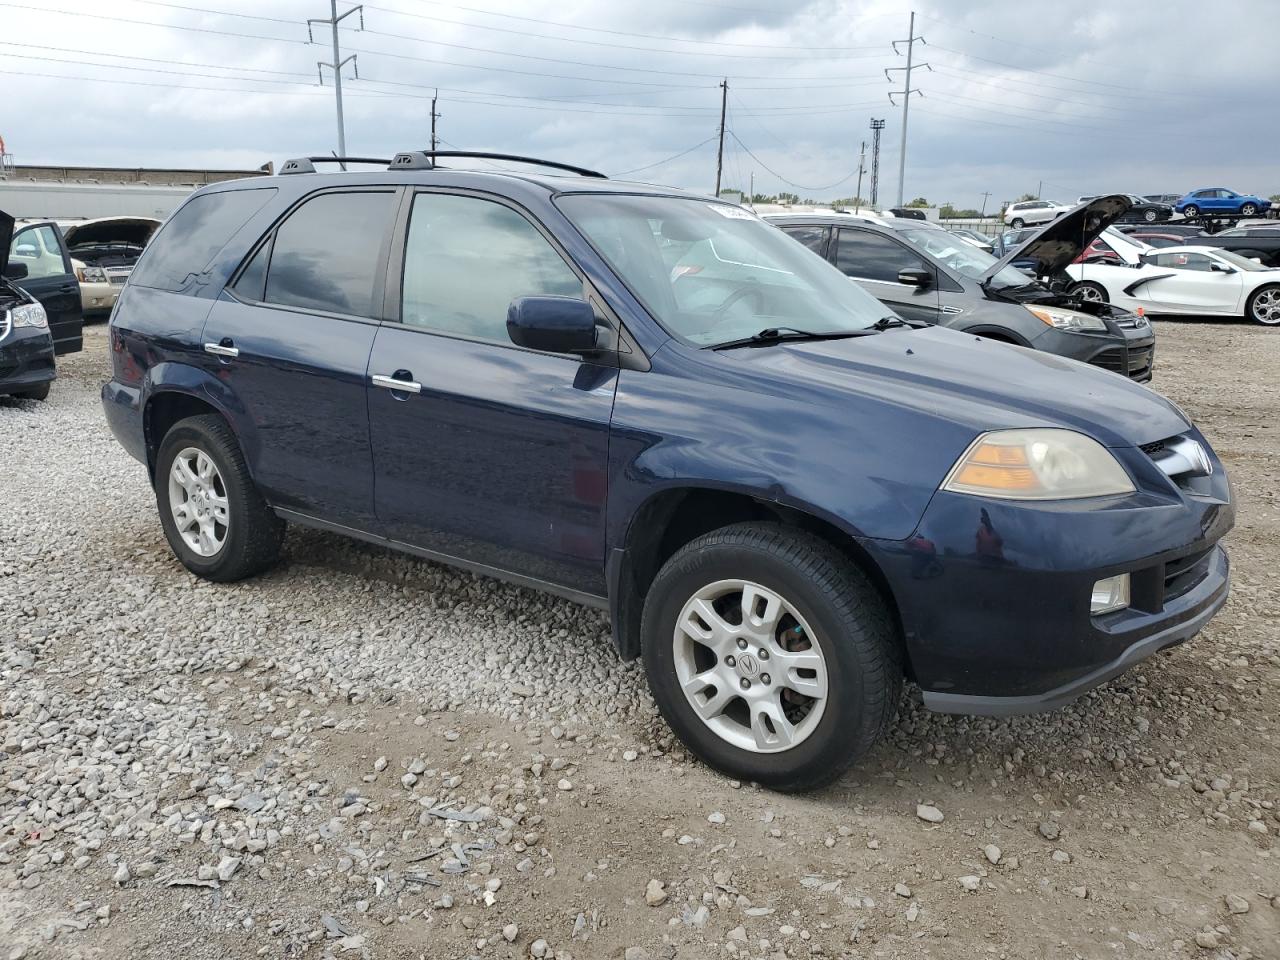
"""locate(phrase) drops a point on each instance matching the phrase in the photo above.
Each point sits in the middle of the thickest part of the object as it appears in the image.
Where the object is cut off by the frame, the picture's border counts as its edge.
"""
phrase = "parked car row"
(789, 495)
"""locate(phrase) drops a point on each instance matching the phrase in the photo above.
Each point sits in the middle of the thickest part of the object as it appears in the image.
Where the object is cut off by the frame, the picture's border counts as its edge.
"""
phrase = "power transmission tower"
(876, 127)
(338, 63)
(857, 197)
(905, 93)
(724, 104)
(434, 117)
(986, 194)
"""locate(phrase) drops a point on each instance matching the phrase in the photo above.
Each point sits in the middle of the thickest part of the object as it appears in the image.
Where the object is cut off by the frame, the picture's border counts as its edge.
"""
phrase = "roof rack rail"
(308, 164)
(425, 160)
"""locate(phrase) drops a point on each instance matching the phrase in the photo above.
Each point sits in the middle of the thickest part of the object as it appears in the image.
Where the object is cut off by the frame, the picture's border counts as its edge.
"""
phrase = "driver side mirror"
(15, 271)
(915, 278)
(552, 324)
(1217, 267)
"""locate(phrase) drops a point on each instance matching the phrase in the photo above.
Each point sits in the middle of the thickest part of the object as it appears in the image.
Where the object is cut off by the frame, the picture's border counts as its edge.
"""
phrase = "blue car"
(1220, 201)
(789, 499)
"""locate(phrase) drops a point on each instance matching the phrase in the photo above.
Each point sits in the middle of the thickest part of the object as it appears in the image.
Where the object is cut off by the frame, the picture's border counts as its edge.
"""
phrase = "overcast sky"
(1086, 97)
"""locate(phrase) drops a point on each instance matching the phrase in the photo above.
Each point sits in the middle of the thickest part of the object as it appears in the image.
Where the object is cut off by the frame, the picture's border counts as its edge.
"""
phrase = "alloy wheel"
(1266, 306)
(749, 666)
(1150, 216)
(1089, 294)
(1191, 211)
(198, 501)
(1248, 210)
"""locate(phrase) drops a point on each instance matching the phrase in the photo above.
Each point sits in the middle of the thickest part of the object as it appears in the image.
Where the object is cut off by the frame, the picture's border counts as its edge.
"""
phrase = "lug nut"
(764, 678)
(745, 684)
(731, 661)
(742, 644)
(764, 654)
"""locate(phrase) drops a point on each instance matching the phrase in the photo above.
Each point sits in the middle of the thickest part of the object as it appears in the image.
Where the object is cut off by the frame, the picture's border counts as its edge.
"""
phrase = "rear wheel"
(1264, 305)
(40, 392)
(215, 520)
(1249, 210)
(771, 655)
(1017, 223)
(1090, 292)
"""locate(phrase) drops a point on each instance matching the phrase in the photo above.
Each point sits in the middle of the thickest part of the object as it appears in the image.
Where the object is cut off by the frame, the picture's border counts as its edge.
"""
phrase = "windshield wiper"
(884, 323)
(780, 334)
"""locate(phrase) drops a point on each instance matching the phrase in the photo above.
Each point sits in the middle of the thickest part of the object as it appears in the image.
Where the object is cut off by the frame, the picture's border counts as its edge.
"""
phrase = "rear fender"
(182, 378)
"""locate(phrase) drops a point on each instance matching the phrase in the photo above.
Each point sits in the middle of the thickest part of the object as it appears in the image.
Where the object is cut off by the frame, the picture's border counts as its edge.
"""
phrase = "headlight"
(1038, 464)
(29, 315)
(1066, 319)
(92, 275)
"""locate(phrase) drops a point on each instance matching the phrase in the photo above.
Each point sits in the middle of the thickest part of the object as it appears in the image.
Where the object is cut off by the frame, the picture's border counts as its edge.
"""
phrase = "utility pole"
(857, 197)
(876, 127)
(905, 93)
(434, 116)
(724, 104)
(985, 195)
(338, 63)
(1039, 187)
(751, 190)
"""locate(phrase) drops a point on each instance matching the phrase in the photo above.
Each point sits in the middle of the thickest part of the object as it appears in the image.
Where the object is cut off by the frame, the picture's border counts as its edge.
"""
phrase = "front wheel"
(1191, 210)
(1249, 210)
(1017, 223)
(1149, 216)
(1090, 292)
(1264, 306)
(771, 655)
(215, 520)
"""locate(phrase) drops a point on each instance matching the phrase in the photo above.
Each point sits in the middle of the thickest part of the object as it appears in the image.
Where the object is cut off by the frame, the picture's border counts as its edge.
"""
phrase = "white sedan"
(1179, 280)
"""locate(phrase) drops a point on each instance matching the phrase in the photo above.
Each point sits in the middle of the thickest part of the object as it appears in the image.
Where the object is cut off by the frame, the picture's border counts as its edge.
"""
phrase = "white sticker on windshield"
(733, 213)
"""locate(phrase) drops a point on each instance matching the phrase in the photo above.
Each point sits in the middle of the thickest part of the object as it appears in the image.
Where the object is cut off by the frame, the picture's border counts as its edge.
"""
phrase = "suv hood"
(135, 230)
(971, 383)
(1066, 237)
(6, 239)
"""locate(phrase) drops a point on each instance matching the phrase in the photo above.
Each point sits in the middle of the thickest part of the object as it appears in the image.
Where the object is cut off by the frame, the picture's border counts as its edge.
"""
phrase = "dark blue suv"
(788, 498)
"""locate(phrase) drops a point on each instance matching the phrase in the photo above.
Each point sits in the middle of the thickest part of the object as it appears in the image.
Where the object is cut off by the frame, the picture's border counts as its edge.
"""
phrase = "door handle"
(395, 383)
(223, 349)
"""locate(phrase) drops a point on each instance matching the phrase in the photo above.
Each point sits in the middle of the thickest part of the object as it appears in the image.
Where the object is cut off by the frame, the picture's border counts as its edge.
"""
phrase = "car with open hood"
(788, 498)
(27, 365)
(37, 251)
(103, 252)
(1188, 280)
(929, 274)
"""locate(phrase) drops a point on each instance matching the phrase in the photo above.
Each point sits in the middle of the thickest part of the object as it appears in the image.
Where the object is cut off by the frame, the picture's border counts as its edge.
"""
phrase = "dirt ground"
(1139, 822)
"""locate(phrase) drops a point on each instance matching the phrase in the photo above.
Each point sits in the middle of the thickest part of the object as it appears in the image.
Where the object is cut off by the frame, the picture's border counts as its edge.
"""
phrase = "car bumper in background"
(122, 406)
(98, 299)
(26, 359)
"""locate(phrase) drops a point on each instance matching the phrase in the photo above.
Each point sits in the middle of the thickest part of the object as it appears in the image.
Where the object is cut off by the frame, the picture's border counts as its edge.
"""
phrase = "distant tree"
(1275, 198)
(948, 212)
(918, 202)
(849, 202)
(788, 197)
(1025, 197)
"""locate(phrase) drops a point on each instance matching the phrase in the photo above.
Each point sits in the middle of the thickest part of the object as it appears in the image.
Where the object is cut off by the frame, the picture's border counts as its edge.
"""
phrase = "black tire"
(254, 532)
(1249, 310)
(850, 624)
(1149, 216)
(1249, 210)
(1017, 223)
(1191, 210)
(40, 392)
(1097, 288)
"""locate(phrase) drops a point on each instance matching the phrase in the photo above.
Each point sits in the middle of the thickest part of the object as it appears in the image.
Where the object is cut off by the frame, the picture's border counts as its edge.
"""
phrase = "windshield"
(1244, 263)
(964, 258)
(711, 273)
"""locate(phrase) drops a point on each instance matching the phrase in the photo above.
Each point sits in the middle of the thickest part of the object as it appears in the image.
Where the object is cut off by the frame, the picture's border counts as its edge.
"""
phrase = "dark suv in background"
(787, 497)
(926, 273)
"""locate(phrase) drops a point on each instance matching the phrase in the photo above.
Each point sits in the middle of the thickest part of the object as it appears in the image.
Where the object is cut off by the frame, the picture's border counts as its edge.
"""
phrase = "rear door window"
(869, 256)
(326, 255)
(187, 244)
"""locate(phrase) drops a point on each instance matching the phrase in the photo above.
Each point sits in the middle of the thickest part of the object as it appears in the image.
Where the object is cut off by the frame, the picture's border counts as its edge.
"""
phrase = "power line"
(120, 56)
(221, 13)
(674, 156)
(971, 76)
(779, 176)
(147, 23)
(1056, 76)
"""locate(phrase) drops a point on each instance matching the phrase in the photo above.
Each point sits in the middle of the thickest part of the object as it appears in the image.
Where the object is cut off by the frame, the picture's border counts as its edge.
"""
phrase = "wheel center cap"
(747, 665)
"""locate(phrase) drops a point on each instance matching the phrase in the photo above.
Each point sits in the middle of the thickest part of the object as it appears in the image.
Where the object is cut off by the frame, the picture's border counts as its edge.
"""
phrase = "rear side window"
(815, 238)
(187, 244)
(325, 256)
(466, 259)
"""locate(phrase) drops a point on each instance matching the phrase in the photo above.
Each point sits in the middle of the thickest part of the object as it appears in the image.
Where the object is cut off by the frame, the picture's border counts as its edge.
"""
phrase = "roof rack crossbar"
(308, 164)
(425, 160)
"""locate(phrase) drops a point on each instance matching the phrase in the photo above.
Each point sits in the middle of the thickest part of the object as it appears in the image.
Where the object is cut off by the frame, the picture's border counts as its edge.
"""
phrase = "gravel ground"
(366, 755)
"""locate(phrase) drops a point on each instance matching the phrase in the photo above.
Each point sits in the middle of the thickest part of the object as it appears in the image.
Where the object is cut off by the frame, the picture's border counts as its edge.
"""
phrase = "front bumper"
(1128, 351)
(993, 596)
(26, 359)
(98, 299)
